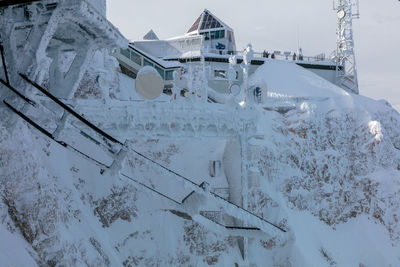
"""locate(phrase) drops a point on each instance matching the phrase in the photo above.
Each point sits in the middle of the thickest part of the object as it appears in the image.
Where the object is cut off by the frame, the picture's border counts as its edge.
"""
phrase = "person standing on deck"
(265, 54)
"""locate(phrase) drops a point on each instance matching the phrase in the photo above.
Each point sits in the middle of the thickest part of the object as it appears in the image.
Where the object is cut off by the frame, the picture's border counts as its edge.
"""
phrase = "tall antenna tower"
(346, 70)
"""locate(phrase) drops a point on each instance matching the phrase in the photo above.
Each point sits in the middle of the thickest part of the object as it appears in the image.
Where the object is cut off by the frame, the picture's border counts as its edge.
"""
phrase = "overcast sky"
(281, 25)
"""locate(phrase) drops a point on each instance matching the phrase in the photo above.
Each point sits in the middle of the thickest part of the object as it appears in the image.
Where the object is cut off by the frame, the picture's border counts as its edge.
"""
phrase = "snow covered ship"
(99, 168)
(211, 43)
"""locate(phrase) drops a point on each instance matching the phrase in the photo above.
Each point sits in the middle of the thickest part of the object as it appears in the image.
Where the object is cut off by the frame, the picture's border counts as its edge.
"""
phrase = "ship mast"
(346, 69)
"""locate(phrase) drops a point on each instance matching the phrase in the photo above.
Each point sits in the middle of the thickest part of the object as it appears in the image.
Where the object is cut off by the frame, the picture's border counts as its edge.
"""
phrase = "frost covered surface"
(325, 166)
(335, 163)
(329, 174)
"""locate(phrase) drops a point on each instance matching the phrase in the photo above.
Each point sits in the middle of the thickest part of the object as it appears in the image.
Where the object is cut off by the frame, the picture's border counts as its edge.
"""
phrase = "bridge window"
(136, 58)
(160, 70)
(169, 75)
(147, 63)
(218, 34)
(213, 35)
(125, 52)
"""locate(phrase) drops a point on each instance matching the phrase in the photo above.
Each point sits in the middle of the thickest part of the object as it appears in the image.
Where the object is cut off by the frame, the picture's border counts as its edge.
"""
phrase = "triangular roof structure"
(207, 21)
(151, 35)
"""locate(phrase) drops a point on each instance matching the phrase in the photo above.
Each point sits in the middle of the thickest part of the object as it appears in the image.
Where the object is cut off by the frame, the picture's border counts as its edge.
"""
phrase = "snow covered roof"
(159, 61)
(207, 21)
(171, 48)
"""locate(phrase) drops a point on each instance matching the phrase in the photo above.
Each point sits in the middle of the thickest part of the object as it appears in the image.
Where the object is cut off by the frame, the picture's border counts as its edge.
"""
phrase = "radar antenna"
(346, 70)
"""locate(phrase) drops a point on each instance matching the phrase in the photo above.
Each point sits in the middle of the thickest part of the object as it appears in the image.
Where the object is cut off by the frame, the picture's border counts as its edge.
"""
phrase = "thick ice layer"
(286, 79)
(327, 164)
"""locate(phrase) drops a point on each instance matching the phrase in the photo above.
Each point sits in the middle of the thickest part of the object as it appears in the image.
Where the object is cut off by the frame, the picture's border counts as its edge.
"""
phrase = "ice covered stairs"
(51, 126)
(198, 195)
(193, 198)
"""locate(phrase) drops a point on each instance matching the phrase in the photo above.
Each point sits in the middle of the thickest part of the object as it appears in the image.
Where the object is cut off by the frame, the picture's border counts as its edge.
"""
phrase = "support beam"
(64, 86)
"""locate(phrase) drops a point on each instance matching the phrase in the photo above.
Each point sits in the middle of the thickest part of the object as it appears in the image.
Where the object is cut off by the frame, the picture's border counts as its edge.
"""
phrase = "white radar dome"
(149, 83)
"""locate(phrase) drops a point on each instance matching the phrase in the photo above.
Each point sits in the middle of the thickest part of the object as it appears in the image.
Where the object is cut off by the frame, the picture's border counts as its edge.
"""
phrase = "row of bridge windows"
(213, 35)
(167, 75)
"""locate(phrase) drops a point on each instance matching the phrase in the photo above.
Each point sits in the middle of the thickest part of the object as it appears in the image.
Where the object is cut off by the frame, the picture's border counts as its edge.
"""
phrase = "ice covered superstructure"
(192, 176)
(69, 49)
(44, 33)
(213, 41)
(219, 38)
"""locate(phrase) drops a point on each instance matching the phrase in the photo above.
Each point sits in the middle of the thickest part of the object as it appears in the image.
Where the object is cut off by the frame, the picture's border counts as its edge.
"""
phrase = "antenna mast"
(346, 70)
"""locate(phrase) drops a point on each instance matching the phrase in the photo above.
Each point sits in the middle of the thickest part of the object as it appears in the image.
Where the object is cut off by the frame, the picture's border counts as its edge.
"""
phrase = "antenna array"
(346, 70)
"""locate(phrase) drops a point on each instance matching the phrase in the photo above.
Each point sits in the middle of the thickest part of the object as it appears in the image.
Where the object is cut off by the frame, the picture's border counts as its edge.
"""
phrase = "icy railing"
(277, 55)
(222, 192)
(290, 56)
(215, 216)
(285, 56)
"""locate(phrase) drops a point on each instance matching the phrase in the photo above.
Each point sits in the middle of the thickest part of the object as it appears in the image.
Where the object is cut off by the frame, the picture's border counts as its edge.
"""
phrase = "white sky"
(276, 25)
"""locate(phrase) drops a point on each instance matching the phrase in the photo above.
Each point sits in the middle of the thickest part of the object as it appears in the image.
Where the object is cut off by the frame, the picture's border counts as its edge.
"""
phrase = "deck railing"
(277, 55)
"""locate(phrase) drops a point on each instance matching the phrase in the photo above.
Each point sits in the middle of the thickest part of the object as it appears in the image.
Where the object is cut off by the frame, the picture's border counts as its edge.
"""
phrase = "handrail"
(233, 227)
(29, 101)
(149, 188)
(320, 57)
(69, 110)
(49, 135)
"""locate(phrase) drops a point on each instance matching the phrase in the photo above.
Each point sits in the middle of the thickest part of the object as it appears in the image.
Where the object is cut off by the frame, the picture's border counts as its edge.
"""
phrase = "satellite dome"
(149, 83)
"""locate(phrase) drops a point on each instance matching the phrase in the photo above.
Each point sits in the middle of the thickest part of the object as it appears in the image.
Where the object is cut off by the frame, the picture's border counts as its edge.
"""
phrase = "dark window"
(147, 63)
(220, 74)
(160, 70)
(136, 58)
(213, 35)
(217, 34)
(125, 52)
(169, 75)
(212, 59)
